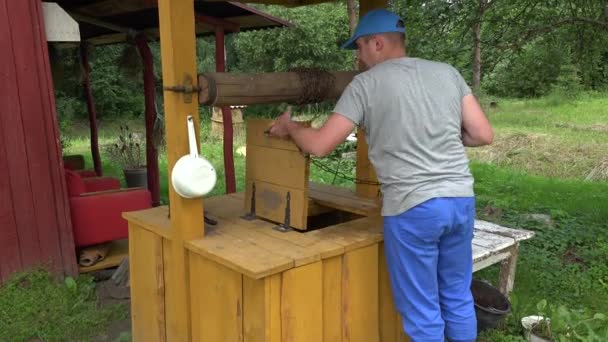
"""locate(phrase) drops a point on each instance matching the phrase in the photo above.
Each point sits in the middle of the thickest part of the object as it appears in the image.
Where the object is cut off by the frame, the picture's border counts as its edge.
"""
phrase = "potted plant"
(561, 324)
(129, 153)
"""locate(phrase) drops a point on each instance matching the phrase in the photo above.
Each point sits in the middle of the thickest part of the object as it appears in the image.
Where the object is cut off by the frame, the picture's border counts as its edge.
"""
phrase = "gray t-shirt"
(411, 111)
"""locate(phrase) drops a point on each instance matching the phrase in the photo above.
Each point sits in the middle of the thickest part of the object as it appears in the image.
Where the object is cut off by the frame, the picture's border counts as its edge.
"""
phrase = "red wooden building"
(35, 226)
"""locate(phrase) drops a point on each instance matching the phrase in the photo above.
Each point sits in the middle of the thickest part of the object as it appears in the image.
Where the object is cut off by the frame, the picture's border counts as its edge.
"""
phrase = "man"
(418, 116)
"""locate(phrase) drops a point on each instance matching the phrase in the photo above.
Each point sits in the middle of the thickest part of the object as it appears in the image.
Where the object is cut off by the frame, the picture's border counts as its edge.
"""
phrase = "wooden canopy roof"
(110, 21)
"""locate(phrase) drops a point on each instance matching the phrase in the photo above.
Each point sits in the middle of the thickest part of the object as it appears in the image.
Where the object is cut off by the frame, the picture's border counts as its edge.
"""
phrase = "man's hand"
(280, 127)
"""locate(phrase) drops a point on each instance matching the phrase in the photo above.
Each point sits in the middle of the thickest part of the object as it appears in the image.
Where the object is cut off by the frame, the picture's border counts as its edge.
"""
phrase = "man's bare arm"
(476, 129)
(322, 141)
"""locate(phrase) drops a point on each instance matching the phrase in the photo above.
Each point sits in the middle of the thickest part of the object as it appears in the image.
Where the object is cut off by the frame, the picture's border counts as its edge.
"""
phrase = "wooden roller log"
(225, 89)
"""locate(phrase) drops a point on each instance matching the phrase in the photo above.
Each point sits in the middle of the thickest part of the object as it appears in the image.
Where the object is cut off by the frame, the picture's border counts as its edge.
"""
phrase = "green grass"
(34, 305)
(553, 136)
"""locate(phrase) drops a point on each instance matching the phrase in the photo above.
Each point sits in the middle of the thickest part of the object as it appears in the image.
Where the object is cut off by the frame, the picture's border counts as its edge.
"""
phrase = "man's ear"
(379, 43)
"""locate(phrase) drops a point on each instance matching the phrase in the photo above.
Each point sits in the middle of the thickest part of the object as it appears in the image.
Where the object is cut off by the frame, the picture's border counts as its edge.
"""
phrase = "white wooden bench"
(492, 244)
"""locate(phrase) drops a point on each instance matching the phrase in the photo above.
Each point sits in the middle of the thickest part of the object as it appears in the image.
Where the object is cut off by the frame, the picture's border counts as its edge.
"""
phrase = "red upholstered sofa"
(96, 206)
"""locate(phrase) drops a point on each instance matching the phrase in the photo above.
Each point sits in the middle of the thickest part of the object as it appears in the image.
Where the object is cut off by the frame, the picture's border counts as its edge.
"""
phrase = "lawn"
(546, 172)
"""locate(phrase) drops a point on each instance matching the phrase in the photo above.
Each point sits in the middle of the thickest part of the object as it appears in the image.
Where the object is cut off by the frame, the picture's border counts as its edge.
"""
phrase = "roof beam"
(214, 22)
(97, 22)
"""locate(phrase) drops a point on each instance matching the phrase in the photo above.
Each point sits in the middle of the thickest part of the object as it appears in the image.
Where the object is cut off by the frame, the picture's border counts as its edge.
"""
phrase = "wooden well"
(249, 282)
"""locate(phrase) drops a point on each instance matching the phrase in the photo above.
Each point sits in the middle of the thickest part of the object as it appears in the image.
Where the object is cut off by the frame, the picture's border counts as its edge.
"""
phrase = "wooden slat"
(10, 259)
(228, 209)
(389, 319)
(18, 88)
(34, 88)
(147, 285)
(353, 234)
(271, 200)
(343, 199)
(262, 309)
(239, 255)
(254, 310)
(278, 167)
(257, 137)
(54, 151)
(332, 299)
(301, 304)
(217, 303)
(489, 227)
(273, 288)
(154, 219)
(299, 255)
(491, 241)
(360, 295)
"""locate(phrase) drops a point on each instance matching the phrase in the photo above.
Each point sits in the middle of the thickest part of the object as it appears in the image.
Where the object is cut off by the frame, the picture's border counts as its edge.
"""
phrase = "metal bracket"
(251, 215)
(186, 88)
(286, 225)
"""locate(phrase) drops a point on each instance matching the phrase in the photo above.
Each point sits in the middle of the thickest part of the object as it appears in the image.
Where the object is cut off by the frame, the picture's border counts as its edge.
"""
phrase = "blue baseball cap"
(374, 22)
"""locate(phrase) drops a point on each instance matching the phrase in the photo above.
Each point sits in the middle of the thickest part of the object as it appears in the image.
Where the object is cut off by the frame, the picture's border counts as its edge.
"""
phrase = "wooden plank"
(32, 89)
(278, 167)
(119, 250)
(273, 287)
(217, 302)
(353, 234)
(155, 220)
(239, 255)
(332, 299)
(388, 317)
(517, 234)
(271, 200)
(491, 241)
(10, 259)
(343, 199)
(299, 255)
(224, 208)
(54, 151)
(360, 295)
(147, 285)
(489, 260)
(257, 137)
(301, 304)
(254, 310)
(262, 309)
(15, 91)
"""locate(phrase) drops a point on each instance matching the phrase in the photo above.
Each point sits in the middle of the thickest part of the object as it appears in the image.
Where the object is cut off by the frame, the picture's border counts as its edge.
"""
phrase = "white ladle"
(193, 176)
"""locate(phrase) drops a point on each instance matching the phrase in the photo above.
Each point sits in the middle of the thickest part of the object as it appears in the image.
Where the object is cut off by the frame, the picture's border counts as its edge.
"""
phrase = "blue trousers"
(429, 257)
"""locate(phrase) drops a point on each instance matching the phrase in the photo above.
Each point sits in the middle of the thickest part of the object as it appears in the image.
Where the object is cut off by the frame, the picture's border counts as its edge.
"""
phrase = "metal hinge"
(251, 214)
(187, 88)
(286, 225)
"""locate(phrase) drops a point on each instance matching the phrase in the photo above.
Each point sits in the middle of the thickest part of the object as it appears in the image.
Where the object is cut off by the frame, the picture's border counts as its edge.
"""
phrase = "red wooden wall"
(35, 225)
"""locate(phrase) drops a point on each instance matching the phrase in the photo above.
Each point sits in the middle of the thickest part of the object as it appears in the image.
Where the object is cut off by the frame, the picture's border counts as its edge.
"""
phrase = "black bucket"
(491, 306)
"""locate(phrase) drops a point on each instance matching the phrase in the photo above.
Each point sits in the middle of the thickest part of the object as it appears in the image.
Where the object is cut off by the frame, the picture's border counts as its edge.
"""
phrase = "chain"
(341, 174)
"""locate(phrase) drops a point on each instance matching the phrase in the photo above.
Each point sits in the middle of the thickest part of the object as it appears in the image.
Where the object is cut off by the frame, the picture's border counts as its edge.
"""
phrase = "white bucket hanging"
(193, 176)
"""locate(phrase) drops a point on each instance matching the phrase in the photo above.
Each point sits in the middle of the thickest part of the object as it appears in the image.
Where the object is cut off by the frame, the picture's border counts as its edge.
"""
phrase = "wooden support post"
(178, 46)
(150, 110)
(88, 92)
(220, 66)
(364, 169)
